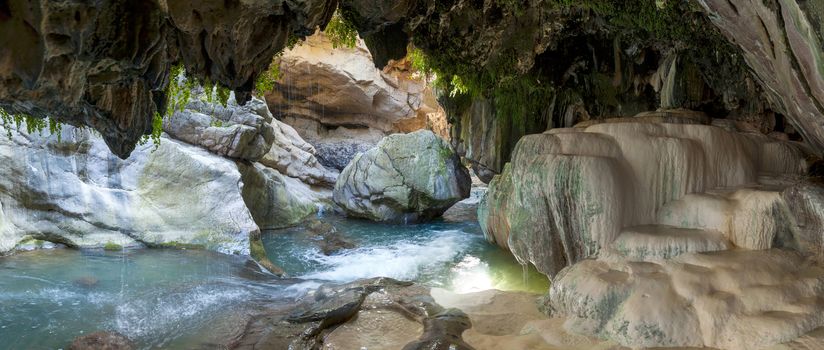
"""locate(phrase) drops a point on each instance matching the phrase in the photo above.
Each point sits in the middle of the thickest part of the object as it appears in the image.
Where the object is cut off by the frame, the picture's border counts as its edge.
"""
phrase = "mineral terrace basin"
(183, 299)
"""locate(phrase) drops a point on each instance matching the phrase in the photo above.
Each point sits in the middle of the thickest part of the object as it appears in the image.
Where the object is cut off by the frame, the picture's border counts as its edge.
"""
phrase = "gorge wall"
(79, 65)
(338, 101)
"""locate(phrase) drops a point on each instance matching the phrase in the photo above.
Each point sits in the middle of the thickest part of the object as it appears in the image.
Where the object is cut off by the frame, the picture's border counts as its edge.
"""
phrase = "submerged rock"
(328, 238)
(102, 341)
(406, 178)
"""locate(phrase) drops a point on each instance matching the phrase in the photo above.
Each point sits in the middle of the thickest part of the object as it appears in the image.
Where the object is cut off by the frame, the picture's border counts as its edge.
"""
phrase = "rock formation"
(294, 157)
(239, 132)
(570, 193)
(782, 42)
(338, 101)
(661, 234)
(738, 299)
(106, 64)
(406, 178)
(378, 313)
(250, 133)
(68, 188)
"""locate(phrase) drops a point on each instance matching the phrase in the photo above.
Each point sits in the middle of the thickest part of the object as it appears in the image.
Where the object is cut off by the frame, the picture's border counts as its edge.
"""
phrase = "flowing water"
(193, 299)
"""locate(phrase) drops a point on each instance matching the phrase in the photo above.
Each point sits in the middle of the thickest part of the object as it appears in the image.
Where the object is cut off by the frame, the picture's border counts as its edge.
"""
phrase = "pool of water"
(158, 298)
(184, 299)
(450, 255)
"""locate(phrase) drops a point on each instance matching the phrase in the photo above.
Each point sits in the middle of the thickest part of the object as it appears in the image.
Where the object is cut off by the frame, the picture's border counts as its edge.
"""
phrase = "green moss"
(111, 246)
(258, 252)
(180, 245)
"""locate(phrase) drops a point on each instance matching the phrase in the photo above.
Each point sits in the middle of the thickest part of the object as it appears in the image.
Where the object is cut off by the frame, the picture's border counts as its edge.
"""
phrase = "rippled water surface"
(195, 299)
(451, 255)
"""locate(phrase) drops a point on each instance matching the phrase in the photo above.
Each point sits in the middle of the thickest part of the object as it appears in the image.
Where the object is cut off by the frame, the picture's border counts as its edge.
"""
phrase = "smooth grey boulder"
(240, 132)
(406, 177)
(73, 190)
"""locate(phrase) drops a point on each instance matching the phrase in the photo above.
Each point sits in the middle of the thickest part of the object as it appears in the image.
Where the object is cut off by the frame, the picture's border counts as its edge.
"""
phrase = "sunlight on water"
(184, 299)
(454, 256)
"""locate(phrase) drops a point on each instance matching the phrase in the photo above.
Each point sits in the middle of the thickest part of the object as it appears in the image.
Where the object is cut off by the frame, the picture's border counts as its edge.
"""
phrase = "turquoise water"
(158, 298)
(450, 255)
(184, 299)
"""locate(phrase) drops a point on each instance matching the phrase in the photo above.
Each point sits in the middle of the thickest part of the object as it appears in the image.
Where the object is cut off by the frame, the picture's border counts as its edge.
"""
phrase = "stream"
(184, 299)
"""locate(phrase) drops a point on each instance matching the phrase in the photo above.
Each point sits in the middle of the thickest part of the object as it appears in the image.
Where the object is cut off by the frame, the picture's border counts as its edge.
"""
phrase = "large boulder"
(241, 132)
(68, 188)
(406, 177)
(337, 100)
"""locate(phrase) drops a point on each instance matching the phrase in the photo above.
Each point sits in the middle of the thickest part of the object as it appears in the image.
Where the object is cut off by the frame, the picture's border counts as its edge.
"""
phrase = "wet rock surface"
(405, 178)
(324, 318)
(66, 187)
(102, 341)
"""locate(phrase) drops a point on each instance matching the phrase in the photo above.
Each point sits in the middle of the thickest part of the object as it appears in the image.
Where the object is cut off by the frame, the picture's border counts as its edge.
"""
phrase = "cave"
(373, 174)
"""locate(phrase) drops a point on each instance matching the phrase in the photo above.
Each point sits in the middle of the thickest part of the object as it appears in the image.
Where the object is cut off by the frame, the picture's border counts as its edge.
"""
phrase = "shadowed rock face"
(105, 63)
(782, 42)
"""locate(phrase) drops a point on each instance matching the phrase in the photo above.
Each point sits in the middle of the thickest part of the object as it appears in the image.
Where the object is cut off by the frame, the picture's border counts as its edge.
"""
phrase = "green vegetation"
(341, 31)
(521, 98)
(32, 123)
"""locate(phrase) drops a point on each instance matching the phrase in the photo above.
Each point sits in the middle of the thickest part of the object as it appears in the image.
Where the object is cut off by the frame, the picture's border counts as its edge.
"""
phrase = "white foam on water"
(403, 260)
(167, 313)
